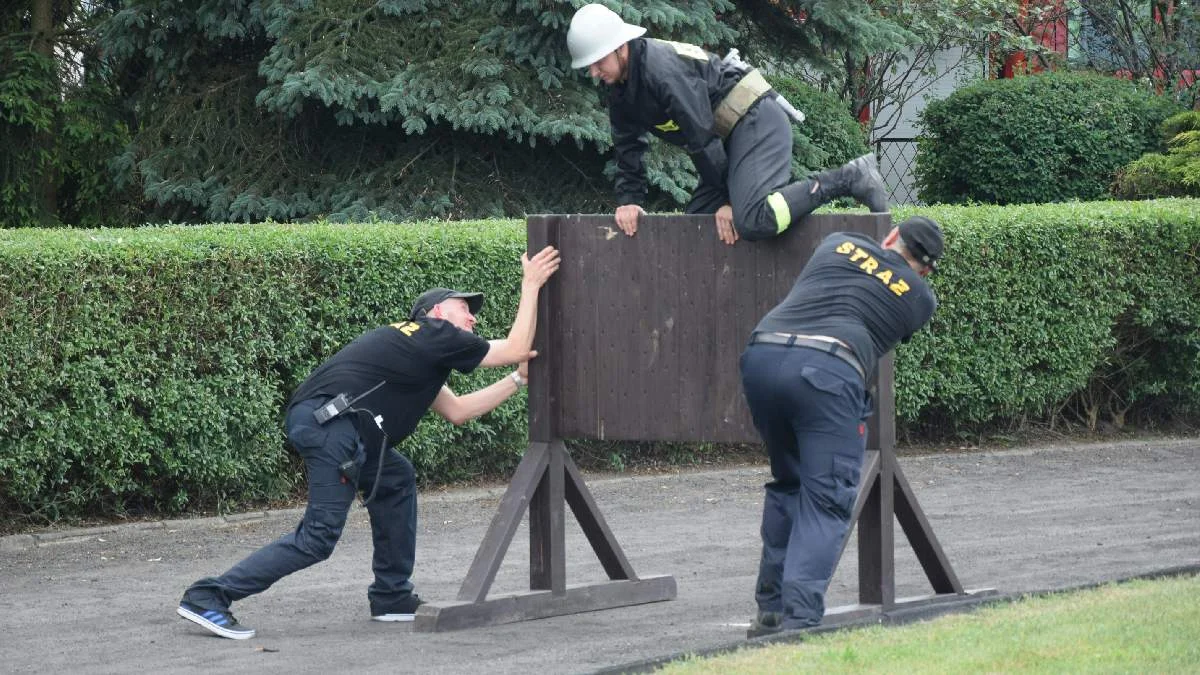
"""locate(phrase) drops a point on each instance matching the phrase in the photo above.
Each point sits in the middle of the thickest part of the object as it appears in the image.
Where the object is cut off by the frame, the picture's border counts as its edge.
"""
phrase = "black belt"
(836, 348)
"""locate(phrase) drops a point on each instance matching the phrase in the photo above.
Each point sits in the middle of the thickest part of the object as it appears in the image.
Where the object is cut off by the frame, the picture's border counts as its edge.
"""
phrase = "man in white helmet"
(691, 98)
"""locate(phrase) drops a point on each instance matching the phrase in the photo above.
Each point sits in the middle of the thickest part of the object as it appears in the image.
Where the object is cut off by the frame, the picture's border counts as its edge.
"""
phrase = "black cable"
(338, 405)
(363, 395)
(382, 442)
(382, 449)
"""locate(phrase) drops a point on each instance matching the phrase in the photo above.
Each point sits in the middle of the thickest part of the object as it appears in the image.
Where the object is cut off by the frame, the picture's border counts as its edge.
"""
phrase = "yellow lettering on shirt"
(667, 126)
(871, 265)
(407, 327)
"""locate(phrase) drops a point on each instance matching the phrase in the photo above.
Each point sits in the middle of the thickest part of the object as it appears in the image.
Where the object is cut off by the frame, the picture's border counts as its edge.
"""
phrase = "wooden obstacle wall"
(641, 335)
(639, 339)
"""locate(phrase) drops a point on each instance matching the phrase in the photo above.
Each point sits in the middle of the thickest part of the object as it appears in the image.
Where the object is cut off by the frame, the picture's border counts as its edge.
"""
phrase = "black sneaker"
(404, 610)
(766, 623)
(219, 623)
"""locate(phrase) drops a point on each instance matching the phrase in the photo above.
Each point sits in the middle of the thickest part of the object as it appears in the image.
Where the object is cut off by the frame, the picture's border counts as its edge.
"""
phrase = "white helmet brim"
(608, 44)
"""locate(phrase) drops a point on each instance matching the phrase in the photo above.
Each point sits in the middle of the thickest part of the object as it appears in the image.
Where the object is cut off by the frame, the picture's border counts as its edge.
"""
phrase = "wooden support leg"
(545, 479)
(504, 525)
(876, 540)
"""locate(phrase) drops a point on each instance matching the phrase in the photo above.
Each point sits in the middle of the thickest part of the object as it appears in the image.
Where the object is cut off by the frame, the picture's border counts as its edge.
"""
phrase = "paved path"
(102, 601)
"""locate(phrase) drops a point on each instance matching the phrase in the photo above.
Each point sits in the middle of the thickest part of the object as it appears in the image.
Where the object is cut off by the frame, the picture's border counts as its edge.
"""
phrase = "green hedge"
(146, 370)
(1038, 139)
(1091, 307)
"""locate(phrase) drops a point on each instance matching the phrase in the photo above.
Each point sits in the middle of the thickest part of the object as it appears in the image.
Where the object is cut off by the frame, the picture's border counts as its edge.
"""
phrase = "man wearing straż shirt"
(804, 375)
(343, 421)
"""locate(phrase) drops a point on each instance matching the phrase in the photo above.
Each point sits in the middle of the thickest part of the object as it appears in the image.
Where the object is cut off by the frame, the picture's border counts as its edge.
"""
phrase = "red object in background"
(1051, 34)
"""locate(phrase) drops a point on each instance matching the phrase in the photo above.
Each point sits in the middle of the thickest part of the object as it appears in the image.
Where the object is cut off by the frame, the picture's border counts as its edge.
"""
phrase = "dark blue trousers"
(810, 408)
(393, 514)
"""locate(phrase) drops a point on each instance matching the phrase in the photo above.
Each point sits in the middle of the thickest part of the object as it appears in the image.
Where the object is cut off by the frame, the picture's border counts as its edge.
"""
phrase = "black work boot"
(867, 185)
(858, 178)
(766, 623)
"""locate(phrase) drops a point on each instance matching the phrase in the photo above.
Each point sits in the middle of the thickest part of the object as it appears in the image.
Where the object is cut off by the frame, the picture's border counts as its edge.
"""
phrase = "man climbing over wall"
(723, 113)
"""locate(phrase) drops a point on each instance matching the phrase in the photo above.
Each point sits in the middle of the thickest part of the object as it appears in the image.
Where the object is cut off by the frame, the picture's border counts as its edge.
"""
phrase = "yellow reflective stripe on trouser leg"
(783, 215)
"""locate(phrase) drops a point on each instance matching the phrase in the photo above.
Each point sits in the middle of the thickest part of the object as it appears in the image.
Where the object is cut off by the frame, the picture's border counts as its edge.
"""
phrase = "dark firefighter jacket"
(670, 91)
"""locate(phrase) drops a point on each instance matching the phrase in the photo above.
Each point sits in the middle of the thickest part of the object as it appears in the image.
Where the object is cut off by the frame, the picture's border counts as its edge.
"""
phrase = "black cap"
(923, 238)
(434, 296)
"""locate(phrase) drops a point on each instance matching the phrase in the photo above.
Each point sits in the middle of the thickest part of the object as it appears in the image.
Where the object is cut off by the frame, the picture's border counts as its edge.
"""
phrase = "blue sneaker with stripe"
(219, 623)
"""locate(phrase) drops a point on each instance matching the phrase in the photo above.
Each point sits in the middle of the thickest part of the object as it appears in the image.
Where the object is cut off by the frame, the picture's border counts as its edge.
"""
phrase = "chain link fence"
(897, 159)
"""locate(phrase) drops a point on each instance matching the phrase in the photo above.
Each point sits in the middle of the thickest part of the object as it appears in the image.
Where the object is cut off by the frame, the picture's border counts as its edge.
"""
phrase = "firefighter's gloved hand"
(627, 218)
(725, 229)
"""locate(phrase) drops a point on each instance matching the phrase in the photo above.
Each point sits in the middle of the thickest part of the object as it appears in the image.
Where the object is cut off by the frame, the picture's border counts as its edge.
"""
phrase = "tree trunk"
(42, 23)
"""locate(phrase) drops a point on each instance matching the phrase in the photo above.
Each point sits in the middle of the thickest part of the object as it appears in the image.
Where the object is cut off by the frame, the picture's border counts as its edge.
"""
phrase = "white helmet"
(595, 32)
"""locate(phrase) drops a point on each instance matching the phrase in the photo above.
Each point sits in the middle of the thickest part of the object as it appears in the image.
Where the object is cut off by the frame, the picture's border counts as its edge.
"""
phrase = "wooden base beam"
(543, 604)
(848, 614)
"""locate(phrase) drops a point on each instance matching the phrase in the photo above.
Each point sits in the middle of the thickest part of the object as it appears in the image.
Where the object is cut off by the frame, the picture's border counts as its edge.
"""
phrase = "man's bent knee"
(319, 532)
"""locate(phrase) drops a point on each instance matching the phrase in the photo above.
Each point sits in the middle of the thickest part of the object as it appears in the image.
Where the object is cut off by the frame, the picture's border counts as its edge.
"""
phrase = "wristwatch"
(517, 379)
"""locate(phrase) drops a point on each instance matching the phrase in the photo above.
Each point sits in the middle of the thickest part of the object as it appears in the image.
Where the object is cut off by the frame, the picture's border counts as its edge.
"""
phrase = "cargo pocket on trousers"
(307, 438)
(825, 381)
(846, 472)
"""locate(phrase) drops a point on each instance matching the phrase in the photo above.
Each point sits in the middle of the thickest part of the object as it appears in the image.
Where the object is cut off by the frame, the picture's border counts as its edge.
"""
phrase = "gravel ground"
(102, 600)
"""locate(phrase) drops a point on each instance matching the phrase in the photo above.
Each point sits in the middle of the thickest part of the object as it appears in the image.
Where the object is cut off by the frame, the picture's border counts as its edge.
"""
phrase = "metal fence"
(897, 159)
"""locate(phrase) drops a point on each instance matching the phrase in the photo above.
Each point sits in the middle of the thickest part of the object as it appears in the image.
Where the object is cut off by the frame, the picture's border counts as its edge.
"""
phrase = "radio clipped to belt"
(744, 95)
(332, 409)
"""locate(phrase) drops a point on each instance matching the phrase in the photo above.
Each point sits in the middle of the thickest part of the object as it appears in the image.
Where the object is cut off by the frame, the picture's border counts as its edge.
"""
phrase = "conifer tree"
(349, 109)
(248, 110)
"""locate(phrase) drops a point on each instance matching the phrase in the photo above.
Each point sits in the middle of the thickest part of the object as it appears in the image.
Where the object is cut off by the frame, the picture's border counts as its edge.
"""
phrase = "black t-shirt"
(412, 358)
(856, 291)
